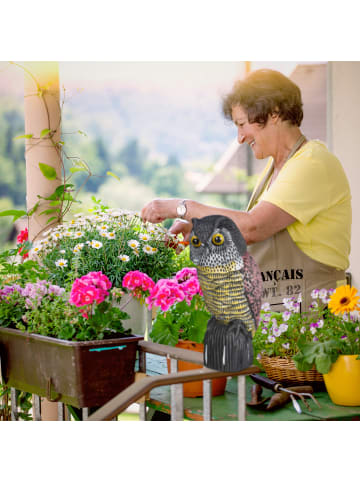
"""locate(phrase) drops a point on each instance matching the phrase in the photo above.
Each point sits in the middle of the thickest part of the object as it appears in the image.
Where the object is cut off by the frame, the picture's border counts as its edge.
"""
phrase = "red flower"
(25, 255)
(23, 236)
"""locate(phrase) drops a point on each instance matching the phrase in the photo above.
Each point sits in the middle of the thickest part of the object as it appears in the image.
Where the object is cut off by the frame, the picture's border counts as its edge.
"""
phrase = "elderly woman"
(298, 222)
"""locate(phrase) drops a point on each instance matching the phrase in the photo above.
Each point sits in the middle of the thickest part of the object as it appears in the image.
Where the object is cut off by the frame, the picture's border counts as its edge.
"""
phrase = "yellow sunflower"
(344, 300)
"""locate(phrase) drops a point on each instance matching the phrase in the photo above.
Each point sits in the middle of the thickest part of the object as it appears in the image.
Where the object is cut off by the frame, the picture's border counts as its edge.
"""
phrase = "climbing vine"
(59, 202)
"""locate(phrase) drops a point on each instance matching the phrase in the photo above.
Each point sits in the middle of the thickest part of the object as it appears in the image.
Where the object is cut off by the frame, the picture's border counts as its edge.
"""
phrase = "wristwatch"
(181, 209)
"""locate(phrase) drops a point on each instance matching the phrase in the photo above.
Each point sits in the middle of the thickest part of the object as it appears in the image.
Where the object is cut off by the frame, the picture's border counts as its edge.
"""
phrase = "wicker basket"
(284, 370)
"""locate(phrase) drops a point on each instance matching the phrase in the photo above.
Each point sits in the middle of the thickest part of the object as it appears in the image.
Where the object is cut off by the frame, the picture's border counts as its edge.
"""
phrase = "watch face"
(181, 210)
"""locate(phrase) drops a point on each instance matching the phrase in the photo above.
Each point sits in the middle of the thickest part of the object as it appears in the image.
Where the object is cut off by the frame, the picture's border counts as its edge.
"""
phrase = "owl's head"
(216, 240)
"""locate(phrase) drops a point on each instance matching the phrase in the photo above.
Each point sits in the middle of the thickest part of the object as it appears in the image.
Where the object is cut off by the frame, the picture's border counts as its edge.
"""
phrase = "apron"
(286, 270)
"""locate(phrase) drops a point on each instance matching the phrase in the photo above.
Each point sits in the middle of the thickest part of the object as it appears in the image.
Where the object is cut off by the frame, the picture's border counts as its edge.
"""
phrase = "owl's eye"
(217, 239)
(195, 241)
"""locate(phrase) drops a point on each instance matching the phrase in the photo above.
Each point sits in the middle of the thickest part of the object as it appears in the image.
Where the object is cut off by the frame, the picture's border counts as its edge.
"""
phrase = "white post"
(344, 139)
(42, 111)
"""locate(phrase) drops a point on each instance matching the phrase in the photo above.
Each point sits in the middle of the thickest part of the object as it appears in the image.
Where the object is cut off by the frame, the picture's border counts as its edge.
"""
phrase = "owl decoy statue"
(231, 284)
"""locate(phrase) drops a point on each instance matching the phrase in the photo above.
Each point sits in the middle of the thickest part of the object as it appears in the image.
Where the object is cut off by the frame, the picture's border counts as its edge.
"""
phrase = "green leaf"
(31, 212)
(301, 363)
(164, 331)
(14, 212)
(50, 211)
(77, 169)
(60, 189)
(51, 219)
(44, 132)
(24, 136)
(67, 331)
(109, 173)
(323, 363)
(199, 320)
(48, 171)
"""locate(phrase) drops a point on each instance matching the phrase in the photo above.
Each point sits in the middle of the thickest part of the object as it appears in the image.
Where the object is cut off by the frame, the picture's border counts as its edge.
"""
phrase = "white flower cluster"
(102, 224)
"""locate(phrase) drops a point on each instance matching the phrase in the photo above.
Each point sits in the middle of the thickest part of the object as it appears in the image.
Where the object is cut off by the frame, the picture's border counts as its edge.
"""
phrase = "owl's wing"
(252, 286)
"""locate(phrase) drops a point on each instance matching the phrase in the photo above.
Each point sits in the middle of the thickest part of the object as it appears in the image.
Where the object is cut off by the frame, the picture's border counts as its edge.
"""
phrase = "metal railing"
(175, 379)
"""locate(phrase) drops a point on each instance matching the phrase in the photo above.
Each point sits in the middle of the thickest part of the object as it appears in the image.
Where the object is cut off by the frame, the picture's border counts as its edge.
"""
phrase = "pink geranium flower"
(185, 274)
(98, 279)
(89, 289)
(138, 283)
(165, 293)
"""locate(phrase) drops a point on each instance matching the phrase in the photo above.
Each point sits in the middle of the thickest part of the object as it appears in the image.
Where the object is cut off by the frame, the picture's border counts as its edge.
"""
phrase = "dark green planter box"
(80, 373)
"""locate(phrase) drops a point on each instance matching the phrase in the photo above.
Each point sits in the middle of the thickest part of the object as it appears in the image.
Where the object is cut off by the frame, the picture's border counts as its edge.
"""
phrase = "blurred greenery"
(143, 177)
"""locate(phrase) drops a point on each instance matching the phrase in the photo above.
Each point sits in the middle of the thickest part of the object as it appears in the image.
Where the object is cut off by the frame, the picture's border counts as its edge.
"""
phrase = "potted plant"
(322, 339)
(114, 241)
(97, 248)
(181, 317)
(67, 347)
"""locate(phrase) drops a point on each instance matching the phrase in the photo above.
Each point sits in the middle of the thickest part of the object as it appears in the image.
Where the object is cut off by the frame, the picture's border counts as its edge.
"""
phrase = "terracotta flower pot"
(343, 381)
(195, 389)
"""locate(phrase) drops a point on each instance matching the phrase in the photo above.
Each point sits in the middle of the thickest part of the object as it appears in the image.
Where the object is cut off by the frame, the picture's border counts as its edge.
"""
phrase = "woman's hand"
(158, 210)
(183, 227)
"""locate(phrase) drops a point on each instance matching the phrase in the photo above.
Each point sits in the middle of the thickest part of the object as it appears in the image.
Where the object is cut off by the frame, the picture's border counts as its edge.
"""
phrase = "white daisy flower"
(150, 229)
(111, 235)
(103, 227)
(62, 251)
(154, 250)
(72, 221)
(144, 237)
(35, 249)
(56, 235)
(124, 258)
(147, 249)
(78, 234)
(103, 234)
(133, 243)
(96, 244)
(68, 234)
(76, 250)
(61, 263)
(120, 224)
